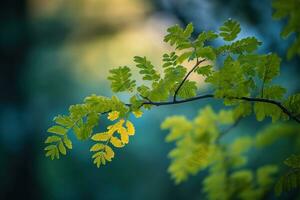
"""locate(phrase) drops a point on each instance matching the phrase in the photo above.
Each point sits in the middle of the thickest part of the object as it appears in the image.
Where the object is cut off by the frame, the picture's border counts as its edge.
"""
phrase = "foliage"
(235, 72)
(198, 147)
(82, 119)
(230, 30)
(291, 179)
(289, 10)
(195, 141)
(120, 79)
(116, 134)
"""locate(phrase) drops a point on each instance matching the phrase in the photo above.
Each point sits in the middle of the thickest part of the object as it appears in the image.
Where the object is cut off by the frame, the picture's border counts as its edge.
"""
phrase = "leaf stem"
(186, 77)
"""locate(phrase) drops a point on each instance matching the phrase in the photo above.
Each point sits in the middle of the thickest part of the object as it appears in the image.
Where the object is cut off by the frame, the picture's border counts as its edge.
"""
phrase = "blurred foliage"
(196, 141)
(198, 147)
(289, 10)
(291, 179)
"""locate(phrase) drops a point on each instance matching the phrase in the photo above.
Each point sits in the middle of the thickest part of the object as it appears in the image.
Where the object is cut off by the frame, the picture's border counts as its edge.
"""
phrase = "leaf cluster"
(291, 179)
(289, 10)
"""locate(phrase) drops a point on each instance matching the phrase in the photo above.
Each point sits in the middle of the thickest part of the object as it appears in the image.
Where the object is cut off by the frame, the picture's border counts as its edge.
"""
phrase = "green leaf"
(99, 157)
(179, 37)
(67, 142)
(120, 79)
(52, 152)
(57, 130)
(78, 111)
(183, 57)
(205, 36)
(84, 128)
(263, 110)
(293, 104)
(243, 109)
(64, 120)
(99, 153)
(97, 147)
(52, 139)
(230, 30)
(205, 70)
(50, 147)
(144, 90)
(188, 89)
(249, 63)
(174, 74)
(160, 91)
(188, 30)
(206, 52)
(269, 68)
(229, 81)
(62, 148)
(146, 69)
(170, 58)
(248, 45)
(274, 92)
(287, 10)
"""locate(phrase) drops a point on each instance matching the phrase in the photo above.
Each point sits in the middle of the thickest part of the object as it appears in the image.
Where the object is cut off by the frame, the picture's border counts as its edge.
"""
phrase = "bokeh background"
(56, 52)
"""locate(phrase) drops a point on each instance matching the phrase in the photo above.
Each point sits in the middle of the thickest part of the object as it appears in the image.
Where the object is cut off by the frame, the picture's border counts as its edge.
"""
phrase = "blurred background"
(56, 52)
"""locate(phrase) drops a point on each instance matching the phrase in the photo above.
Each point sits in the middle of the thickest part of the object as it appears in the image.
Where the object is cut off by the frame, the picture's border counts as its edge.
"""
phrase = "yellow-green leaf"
(67, 142)
(97, 161)
(58, 130)
(50, 147)
(53, 138)
(137, 113)
(97, 147)
(62, 148)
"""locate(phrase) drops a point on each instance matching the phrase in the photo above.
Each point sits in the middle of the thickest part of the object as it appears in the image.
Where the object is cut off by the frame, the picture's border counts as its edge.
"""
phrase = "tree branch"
(250, 99)
(276, 103)
(186, 77)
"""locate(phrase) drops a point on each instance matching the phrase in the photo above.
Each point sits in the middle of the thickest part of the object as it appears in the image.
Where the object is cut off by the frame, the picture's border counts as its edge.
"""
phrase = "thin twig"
(186, 77)
(149, 100)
